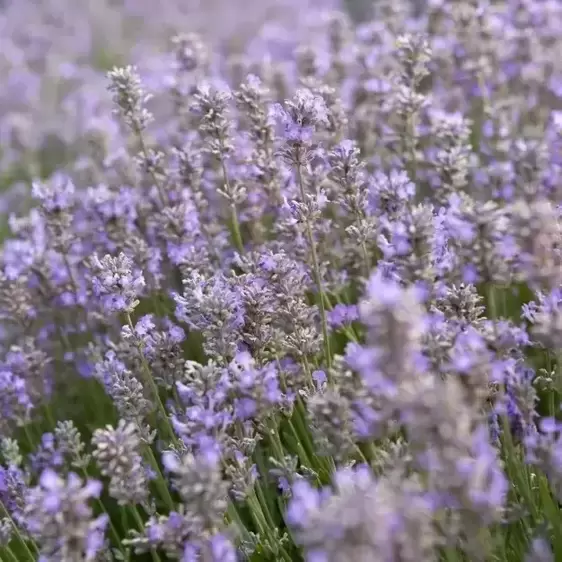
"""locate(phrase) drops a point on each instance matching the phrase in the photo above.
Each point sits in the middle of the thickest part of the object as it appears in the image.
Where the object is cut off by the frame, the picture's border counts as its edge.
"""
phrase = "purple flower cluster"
(58, 515)
(294, 298)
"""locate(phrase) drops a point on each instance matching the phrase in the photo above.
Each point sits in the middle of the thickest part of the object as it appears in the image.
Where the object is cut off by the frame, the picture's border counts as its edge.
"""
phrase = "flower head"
(116, 282)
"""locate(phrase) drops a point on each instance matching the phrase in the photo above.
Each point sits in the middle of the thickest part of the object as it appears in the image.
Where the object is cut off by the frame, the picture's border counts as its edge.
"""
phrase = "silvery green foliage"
(117, 452)
(462, 305)
(130, 98)
(545, 317)
(168, 531)
(71, 444)
(15, 400)
(542, 450)
(458, 309)
(417, 227)
(241, 472)
(280, 320)
(156, 342)
(300, 116)
(252, 97)
(350, 188)
(17, 306)
(28, 361)
(393, 454)
(6, 531)
(452, 158)
(414, 54)
(211, 105)
(11, 453)
(57, 198)
(394, 319)
(192, 59)
(126, 391)
(213, 306)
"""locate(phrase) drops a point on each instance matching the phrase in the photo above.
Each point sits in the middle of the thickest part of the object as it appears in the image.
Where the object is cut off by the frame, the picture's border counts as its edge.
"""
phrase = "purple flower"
(218, 548)
(391, 516)
(60, 519)
(214, 307)
(15, 402)
(301, 116)
(319, 377)
(342, 315)
(305, 499)
(57, 195)
(394, 322)
(13, 492)
(47, 455)
(256, 390)
(540, 551)
(116, 282)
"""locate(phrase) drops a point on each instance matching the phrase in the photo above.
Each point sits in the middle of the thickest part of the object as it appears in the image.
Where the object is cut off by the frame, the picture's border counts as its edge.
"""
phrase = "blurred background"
(54, 57)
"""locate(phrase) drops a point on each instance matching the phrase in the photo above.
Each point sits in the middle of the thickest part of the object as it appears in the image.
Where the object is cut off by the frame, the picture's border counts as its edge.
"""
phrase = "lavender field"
(281, 281)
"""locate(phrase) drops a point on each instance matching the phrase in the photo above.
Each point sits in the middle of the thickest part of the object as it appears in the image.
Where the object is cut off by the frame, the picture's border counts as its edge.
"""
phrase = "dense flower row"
(302, 306)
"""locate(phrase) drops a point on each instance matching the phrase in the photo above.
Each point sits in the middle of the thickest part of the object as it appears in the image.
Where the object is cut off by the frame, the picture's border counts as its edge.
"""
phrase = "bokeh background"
(54, 57)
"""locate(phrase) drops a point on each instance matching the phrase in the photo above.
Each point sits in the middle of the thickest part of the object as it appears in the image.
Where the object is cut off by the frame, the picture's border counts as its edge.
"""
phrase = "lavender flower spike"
(116, 282)
(59, 518)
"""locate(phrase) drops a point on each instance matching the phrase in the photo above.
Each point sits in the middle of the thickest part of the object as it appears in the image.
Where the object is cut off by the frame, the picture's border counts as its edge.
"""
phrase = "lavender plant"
(297, 300)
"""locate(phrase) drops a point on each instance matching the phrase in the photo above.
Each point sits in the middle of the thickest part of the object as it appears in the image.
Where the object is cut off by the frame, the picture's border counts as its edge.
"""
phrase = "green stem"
(10, 553)
(140, 523)
(307, 372)
(264, 529)
(317, 275)
(29, 437)
(160, 480)
(236, 230)
(513, 470)
(112, 529)
(451, 554)
(262, 482)
(265, 506)
(558, 381)
(234, 215)
(235, 518)
(159, 187)
(32, 555)
(325, 464)
(492, 307)
(257, 514)
(366, 261)
(411, 143)
(153, 386)
(300, 449)
(276, 441)
(49, 416)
